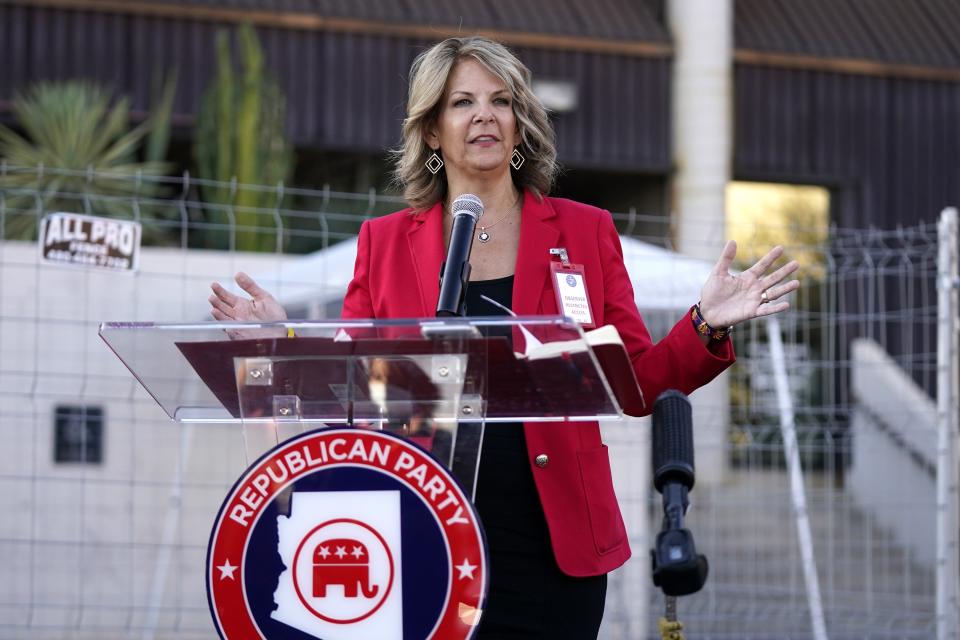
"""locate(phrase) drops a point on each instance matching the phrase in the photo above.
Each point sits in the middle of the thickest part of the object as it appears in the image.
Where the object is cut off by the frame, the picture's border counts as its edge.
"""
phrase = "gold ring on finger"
(763, 297)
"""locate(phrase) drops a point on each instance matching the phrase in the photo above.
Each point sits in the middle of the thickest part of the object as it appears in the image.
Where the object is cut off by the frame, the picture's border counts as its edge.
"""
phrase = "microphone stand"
(677, 567)
(670, 627)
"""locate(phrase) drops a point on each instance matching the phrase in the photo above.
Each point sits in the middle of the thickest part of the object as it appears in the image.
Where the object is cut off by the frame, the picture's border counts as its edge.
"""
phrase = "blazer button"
(541, 460)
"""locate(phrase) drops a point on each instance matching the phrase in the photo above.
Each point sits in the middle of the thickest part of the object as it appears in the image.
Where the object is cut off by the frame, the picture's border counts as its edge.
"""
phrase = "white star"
(357, 553)
(465, 569)
(324, 552)
(340, 552)
(226, 570)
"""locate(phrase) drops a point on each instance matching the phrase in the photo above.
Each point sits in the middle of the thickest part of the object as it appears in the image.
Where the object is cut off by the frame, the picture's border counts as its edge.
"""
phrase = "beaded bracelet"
(704, 329)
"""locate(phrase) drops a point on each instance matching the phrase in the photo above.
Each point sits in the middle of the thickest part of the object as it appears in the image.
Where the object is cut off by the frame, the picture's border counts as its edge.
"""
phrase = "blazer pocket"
(606, 523)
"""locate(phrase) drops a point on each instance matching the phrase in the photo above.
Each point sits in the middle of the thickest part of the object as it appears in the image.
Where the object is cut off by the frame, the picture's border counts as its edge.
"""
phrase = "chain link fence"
(109, 504)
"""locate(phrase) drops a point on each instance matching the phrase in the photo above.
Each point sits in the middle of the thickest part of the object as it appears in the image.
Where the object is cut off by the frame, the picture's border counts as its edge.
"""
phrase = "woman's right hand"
(260, 307)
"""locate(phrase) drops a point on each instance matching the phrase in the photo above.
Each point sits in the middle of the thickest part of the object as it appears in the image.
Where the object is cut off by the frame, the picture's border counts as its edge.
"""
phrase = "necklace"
(483, 236)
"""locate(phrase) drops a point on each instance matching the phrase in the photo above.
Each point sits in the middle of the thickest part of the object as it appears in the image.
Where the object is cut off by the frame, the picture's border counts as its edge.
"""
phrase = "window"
(78, 434)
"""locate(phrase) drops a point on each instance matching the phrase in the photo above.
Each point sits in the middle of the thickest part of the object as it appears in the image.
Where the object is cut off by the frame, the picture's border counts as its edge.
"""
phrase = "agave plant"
(77, 153)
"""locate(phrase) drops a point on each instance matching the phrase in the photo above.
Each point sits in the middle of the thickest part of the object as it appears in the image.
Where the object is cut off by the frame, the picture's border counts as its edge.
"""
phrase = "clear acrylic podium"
(437, 382)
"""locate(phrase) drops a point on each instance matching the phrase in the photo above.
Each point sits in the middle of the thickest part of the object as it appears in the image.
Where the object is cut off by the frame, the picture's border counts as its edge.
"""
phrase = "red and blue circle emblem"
(346, 533)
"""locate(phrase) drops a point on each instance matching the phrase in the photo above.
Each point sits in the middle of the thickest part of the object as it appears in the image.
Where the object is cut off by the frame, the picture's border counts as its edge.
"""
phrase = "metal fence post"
(948, 405)
(798, 498)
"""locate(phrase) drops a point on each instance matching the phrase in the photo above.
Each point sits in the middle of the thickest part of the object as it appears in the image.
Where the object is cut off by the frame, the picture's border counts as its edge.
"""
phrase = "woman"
(544, 493)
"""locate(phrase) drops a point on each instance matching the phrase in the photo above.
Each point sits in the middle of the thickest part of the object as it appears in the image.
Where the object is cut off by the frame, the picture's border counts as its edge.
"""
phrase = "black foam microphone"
(673, 442)
(455, 273)
(677, 568)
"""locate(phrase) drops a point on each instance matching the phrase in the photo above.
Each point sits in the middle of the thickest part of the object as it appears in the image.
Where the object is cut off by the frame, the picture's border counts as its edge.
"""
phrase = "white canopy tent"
(663, 280)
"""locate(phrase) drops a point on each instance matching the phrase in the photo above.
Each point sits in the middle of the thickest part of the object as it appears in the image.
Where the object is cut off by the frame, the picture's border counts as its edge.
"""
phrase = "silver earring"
(517, 160)
(434, 163)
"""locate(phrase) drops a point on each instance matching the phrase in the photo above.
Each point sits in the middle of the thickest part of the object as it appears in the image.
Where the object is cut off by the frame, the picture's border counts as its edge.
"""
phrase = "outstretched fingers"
(220, 306)
(250, 285)
(766, 262)
(778, 291)
(780, 274)
(726, 258)
(222, 294)
(771, 308)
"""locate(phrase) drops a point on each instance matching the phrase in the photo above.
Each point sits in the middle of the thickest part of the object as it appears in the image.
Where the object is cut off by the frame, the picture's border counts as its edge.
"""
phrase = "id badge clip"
(570, 286)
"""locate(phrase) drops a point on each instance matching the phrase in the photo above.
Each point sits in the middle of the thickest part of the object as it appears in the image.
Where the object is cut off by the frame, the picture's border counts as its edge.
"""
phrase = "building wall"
(883, 134)
(346, 90)
(888, 147)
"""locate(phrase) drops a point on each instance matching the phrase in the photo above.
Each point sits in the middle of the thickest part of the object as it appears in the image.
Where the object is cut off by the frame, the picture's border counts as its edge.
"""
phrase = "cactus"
(240, 139)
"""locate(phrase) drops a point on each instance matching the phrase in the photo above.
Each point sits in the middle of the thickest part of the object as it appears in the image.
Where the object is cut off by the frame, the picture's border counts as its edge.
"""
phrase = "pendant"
(483, 236)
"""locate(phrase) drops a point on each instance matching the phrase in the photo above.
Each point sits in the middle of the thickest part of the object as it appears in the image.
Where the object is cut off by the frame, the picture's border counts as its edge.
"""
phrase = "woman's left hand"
(728, 299)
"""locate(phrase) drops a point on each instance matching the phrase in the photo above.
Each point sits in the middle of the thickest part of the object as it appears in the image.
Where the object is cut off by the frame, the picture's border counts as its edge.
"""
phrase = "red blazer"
(396, 276)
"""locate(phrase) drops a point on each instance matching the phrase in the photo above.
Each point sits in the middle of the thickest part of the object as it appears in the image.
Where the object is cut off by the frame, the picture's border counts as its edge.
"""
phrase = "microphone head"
(672, 440)
(467, 204)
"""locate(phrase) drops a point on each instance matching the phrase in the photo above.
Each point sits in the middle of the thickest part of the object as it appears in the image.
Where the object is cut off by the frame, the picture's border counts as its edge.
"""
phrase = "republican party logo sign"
(344, 534)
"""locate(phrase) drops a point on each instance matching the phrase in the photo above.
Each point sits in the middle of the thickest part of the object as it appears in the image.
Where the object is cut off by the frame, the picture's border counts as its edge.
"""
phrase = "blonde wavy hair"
(428, 80)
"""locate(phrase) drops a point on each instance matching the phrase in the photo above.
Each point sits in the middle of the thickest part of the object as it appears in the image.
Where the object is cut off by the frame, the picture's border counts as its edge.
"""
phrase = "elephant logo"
(344, 562)
(344, 570)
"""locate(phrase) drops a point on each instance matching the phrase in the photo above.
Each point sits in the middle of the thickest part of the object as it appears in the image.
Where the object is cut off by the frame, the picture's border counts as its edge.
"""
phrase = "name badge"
(571, 288)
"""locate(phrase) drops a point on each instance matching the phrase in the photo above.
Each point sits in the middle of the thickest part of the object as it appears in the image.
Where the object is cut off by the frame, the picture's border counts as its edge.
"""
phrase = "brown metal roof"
(629, 20)
(868, 36)
(914, 32)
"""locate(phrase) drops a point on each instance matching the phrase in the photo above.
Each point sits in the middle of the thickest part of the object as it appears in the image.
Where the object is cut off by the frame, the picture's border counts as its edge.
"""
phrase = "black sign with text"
(88, 241)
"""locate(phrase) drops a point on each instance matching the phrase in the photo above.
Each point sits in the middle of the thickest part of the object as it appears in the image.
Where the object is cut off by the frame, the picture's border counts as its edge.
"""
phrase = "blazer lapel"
(425, 240)
(532, 271)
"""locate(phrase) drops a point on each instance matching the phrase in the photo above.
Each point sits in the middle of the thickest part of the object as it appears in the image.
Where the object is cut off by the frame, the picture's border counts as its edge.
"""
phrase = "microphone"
(673, 442)
(455, 272)
(677, 568)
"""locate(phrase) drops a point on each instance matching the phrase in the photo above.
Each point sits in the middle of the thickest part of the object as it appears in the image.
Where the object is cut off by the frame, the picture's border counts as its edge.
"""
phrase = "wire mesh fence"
(109, 504)
(869, 487)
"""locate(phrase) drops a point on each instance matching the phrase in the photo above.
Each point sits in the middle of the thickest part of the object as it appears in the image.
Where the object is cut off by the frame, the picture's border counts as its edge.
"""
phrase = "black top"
(498, 438)
(529, 596)
(504, 470)
(500, 290)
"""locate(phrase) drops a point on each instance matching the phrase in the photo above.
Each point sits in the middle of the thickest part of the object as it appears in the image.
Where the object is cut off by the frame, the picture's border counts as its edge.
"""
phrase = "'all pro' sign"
(88, 241)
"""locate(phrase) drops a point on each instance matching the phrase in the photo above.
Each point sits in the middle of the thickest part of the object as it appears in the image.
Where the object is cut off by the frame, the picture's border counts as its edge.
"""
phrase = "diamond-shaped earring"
(517, 160)
(434, 163)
